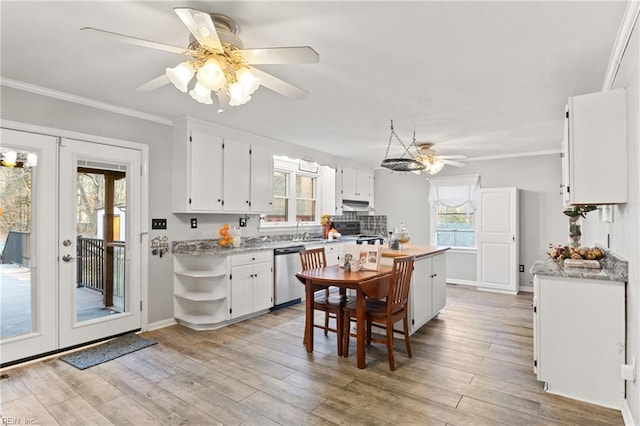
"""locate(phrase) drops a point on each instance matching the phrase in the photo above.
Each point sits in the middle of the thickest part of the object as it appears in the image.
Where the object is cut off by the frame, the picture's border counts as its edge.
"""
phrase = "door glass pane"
(101, 229)
(17, 291)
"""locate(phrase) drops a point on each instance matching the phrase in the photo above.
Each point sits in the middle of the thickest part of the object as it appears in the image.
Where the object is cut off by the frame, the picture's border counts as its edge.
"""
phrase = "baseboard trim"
(527, 288)
(626, 414)
(462, 282)
(161, 324)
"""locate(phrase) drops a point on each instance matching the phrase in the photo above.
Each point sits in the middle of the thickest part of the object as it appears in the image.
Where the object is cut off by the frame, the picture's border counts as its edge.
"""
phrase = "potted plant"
(576, 213)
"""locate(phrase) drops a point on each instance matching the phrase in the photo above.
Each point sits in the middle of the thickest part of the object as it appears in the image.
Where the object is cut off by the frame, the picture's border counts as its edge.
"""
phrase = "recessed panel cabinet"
(251, 283)
(579, 338)
(594, 155)
(356, 184)
(216, 174)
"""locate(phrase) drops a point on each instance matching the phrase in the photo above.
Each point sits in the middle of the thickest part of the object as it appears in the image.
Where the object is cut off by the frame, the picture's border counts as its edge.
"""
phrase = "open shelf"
(200, 296)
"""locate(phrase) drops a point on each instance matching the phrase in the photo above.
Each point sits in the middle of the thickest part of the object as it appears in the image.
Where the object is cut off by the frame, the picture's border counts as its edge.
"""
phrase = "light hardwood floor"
(471, 365)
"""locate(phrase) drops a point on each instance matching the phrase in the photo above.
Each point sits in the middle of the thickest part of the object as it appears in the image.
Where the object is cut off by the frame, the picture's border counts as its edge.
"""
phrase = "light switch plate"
(158, 223)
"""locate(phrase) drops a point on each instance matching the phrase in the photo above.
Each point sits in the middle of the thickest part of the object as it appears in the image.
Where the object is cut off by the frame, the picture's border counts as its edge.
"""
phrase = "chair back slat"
(399, 284)
(313, 258)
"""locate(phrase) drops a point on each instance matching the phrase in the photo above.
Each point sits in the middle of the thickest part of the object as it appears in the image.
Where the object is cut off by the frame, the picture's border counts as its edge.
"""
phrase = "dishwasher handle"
(287, 250)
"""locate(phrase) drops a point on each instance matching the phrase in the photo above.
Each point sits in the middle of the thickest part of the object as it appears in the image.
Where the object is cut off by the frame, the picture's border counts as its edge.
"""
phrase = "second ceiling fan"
(433, 162)
(219, 62)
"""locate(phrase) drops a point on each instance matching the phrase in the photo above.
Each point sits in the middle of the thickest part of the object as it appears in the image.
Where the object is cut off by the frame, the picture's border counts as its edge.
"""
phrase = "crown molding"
(38, 90)
(521, 154)
(620, 45)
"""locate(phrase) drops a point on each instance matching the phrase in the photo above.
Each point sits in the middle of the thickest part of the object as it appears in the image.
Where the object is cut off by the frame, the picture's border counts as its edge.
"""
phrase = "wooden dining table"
(374, 284)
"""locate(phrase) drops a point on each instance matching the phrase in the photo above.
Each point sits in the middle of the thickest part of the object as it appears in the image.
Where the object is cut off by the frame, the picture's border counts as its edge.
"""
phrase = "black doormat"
(107, 351)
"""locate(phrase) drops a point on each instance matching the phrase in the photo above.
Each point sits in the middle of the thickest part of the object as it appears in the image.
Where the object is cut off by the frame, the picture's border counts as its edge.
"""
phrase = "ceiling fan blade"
(281, 55)
(451, 157)
(277, 85)
(201, 26)
(154, 84)
(452, 163)
(136, 41)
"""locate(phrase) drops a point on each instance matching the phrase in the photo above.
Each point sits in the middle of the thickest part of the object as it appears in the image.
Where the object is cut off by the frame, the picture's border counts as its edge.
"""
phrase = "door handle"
(68, 258)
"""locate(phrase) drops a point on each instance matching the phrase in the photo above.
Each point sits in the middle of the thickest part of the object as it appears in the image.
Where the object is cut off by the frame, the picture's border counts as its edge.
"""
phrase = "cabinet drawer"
(251, 258)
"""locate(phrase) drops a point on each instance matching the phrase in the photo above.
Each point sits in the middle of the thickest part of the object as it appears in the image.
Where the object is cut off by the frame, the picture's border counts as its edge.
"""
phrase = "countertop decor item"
(576, 213)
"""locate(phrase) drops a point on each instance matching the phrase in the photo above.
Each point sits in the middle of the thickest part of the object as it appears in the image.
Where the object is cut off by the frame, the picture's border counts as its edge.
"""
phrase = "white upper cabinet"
(216, 174)
(595, 149)
(356, 184)
(197, 171)
(237, 176)
(261, 180)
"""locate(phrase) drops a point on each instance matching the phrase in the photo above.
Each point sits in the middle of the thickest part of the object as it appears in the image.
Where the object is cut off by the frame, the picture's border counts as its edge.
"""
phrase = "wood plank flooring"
(471, 365)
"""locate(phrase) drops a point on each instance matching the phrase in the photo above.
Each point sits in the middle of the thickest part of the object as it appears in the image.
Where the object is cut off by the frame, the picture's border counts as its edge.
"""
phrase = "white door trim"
(144, 194)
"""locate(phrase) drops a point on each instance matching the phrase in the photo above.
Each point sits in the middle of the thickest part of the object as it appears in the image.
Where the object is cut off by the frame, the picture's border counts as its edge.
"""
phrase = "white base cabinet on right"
(579, 338)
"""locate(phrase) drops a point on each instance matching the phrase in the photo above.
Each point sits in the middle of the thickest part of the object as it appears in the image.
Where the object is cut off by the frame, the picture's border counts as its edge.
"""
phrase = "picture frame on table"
(367, 255)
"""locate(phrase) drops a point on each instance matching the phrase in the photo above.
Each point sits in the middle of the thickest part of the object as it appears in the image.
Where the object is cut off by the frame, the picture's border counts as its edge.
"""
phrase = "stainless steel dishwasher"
(288, 289)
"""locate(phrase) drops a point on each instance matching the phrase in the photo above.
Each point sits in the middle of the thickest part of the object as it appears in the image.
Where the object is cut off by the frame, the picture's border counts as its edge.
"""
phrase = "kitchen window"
(452, 202)
(295, 195)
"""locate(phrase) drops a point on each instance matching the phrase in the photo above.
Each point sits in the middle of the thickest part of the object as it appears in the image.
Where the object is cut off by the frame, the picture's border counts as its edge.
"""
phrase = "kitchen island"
(428, 293)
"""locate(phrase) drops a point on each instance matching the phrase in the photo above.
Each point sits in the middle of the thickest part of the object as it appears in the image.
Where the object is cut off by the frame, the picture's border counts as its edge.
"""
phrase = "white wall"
(405, 198)
(625, 230)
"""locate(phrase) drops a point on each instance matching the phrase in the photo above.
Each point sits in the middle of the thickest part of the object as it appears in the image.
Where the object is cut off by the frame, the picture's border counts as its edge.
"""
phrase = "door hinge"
(230, 276)
(535, 309)
(222, 145)
(141, 306)
(568, 189)
(223, 202)
(230, 310)
(562, 155)
(250, 151)
(413, 321)
(190, 138)
(189, 200)
(535, 362)
(566, 114)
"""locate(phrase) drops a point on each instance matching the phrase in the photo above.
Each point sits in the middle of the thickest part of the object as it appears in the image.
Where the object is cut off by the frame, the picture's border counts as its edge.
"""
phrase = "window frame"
(471, 211)
(290, 168)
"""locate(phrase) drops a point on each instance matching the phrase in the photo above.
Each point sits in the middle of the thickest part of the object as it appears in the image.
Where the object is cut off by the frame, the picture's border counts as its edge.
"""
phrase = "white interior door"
(497, 225)
(28, 309)
(99, 234)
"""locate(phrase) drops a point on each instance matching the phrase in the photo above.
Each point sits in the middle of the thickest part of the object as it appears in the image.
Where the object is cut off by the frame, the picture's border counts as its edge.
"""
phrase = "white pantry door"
(497, 228)
(111, 247)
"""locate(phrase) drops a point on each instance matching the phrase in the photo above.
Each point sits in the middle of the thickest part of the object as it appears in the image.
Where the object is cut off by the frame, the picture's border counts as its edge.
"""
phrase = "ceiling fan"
(219, 61)
(433, 162)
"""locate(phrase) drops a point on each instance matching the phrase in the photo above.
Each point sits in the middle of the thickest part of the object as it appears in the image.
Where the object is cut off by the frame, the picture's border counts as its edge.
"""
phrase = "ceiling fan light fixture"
(201, 94)
(434, 167)
(211, 75)
(181, 75)
(247, 80)
(238, 95)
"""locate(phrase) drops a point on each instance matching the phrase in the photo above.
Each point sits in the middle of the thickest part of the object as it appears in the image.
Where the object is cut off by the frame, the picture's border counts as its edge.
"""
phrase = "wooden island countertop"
(414, 250)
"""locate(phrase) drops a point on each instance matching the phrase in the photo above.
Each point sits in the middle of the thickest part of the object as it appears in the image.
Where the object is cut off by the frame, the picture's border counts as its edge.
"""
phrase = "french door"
(82, 263)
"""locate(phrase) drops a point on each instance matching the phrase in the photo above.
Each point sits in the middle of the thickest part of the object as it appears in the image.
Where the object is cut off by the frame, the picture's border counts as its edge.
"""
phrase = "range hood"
(356, 206)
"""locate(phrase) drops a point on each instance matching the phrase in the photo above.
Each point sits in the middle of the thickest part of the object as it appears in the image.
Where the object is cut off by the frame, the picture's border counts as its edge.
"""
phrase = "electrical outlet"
(158, 223)
(242, 222)
(521, 268)
(194, 223)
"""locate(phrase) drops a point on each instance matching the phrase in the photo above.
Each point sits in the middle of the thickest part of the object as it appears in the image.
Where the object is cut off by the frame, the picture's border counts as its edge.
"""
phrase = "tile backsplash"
(369, 225)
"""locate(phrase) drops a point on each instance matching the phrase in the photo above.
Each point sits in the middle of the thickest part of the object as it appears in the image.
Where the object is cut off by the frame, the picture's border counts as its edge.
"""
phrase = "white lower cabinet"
(579, 338)
(428, 292)
(201, 290)
(251, 283)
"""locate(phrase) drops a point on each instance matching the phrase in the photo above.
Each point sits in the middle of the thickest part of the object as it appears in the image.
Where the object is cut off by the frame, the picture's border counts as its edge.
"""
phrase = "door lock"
(67, 258)
(66, 243)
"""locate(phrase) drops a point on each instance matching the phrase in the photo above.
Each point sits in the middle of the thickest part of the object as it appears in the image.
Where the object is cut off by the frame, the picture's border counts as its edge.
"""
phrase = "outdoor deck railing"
(91, 263)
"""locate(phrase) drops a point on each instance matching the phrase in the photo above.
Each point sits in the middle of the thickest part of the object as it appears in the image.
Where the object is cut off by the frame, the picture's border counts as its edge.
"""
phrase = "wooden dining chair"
(325, 300)
(385, 313)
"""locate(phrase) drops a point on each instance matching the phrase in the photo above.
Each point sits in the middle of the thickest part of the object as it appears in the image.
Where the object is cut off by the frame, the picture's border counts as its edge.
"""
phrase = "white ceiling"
(476, 78)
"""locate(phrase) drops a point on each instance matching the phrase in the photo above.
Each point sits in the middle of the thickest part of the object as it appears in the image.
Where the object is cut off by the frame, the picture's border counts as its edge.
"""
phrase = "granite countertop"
(613, 268)
(211, 247)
